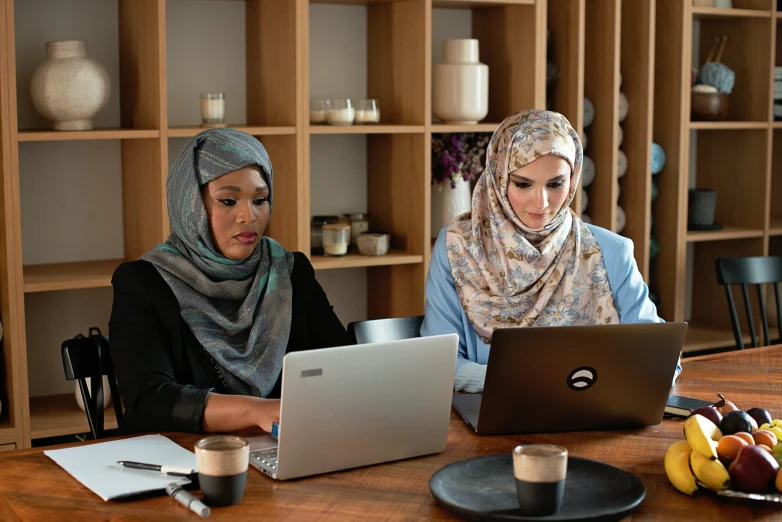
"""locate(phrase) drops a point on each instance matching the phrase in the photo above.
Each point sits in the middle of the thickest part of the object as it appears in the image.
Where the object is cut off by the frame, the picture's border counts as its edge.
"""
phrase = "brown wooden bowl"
(709, 106)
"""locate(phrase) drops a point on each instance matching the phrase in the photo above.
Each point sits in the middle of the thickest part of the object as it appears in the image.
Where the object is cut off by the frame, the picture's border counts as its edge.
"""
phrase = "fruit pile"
(726, 448)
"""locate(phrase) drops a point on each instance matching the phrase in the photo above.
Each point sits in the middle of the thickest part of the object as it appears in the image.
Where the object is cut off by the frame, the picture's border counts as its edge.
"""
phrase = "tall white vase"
(455, 200)
(69, 88)
(460, 85)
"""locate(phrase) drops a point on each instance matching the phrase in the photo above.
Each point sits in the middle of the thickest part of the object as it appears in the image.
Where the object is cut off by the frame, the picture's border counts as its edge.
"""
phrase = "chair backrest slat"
(763, 316)
(750, 320)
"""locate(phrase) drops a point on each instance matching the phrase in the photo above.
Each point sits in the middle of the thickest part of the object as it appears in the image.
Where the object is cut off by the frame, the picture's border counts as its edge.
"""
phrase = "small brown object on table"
(33, 487)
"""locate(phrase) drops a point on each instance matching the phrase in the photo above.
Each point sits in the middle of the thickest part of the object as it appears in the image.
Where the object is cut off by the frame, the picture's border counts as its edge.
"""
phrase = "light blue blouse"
(444, 312)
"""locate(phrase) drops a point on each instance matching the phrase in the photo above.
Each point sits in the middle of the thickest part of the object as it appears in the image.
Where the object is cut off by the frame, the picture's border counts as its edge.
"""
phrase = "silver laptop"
(573, 378)
(360, 405)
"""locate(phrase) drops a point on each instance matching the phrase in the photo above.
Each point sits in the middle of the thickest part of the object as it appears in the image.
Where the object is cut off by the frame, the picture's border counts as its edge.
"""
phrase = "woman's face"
(538, 190)
(238, 209)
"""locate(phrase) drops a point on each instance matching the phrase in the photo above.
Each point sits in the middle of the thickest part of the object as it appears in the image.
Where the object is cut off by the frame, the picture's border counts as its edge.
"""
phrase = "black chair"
(383, 330)
(750, 271)
(90, 356)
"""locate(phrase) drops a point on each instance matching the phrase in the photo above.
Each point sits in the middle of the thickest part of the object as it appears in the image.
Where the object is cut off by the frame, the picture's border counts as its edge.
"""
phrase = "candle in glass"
(213, 109)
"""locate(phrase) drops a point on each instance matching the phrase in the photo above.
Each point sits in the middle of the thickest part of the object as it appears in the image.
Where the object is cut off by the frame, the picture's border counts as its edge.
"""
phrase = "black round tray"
(483, 488)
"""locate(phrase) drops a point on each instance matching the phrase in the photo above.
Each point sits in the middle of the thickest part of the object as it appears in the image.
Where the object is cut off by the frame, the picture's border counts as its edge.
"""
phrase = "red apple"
(753, 470)
(710, 412)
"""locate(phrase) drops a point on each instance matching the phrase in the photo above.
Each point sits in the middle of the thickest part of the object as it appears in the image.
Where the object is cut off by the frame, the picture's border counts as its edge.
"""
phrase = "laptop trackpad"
(468, 405)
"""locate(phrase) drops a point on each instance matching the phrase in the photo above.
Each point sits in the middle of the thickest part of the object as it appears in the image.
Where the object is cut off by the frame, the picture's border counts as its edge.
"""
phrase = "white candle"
(335, 249)
(212, 108)
(317, 116)
(367, 116)
(341, 116)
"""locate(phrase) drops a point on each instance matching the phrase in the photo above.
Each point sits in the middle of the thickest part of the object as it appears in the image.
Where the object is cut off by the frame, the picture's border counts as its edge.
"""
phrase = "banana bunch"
(696, 457)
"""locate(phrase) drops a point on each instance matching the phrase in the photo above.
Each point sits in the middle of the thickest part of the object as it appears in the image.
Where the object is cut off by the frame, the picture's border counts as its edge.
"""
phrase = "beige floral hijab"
(507, 274)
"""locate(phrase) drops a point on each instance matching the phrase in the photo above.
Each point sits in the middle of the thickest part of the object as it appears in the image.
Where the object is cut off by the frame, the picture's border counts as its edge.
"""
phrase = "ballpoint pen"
(170, 470)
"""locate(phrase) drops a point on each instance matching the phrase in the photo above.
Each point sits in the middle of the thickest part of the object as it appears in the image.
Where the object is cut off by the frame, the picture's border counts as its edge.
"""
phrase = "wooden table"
(32, 487)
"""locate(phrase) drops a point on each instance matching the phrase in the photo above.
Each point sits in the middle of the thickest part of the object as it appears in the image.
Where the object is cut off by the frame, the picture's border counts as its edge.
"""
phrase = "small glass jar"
(316, 233)
(336, 238)
(213, 109)
(358, 224)
(319, 109)
(367, 112)
(341, 112)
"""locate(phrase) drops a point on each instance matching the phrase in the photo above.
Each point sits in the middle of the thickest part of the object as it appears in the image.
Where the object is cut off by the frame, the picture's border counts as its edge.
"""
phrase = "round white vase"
(460, 85)
(455, 200)
(69, 88)
(106, 392)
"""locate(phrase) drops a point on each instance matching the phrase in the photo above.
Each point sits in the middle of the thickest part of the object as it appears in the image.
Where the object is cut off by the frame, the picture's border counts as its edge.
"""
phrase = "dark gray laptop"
(574, 378)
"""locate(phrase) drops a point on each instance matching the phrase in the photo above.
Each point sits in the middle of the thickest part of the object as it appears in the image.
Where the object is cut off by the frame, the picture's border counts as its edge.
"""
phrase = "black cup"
(701, 205)
(222, 463)
(540, 471)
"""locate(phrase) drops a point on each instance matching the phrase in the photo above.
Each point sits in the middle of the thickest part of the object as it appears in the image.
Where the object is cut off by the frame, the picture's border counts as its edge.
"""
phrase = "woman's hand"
(228, 413)
(267, 411)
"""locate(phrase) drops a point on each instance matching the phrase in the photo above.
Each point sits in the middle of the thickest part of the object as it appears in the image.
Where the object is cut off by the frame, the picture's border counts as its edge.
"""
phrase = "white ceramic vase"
(455, 200)
(460, 85)
(106, 392)
(69, 88)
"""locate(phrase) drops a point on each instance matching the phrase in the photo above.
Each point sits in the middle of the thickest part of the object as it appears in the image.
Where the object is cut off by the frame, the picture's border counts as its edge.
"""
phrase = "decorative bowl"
(709, 106)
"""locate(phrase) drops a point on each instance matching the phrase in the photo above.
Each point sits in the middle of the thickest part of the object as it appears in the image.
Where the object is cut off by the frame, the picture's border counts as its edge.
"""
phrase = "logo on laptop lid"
(582, 378)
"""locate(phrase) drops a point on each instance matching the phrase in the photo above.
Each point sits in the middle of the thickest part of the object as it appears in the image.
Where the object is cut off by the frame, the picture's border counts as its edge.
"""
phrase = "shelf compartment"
(366, 129)
(8, 433)
(727, 233)
(440, 128)
(352, 260)
(709, 302)
(69, 276)
(185, 131)
(57, 415)
(775, 227)
(749, 54)
(703, 337)
(728, 125)
(97, 134)
(723, 157)
(705, 13)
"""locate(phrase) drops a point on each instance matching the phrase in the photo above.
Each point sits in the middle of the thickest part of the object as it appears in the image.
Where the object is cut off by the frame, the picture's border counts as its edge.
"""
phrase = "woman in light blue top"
(521, 256)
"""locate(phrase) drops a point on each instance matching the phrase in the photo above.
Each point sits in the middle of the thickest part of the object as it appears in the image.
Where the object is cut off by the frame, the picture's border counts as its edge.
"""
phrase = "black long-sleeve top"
(164, 373)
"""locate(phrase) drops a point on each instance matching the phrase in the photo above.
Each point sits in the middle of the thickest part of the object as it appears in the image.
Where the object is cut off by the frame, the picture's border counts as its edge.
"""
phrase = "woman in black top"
(200, 324)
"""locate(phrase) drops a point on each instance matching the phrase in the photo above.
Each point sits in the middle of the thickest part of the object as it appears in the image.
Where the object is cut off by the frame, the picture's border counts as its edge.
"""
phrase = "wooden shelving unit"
(277, 75)
(750, 220)
(58, 415)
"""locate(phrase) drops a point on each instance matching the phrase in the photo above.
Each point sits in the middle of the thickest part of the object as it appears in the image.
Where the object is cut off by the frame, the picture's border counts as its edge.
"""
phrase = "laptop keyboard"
(265, 458)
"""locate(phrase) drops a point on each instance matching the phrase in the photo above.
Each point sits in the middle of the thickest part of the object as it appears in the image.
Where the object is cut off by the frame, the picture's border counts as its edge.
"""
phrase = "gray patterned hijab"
(240, 311)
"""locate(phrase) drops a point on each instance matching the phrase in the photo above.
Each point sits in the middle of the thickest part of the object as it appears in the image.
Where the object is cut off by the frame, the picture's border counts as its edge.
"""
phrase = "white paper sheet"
(96, 467)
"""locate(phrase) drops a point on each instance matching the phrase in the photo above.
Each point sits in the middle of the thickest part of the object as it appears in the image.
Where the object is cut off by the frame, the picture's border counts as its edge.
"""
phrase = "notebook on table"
(95, 465)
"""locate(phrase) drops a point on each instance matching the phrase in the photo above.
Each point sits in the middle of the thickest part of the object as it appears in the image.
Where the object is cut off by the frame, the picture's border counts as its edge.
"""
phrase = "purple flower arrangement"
(458, 155)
